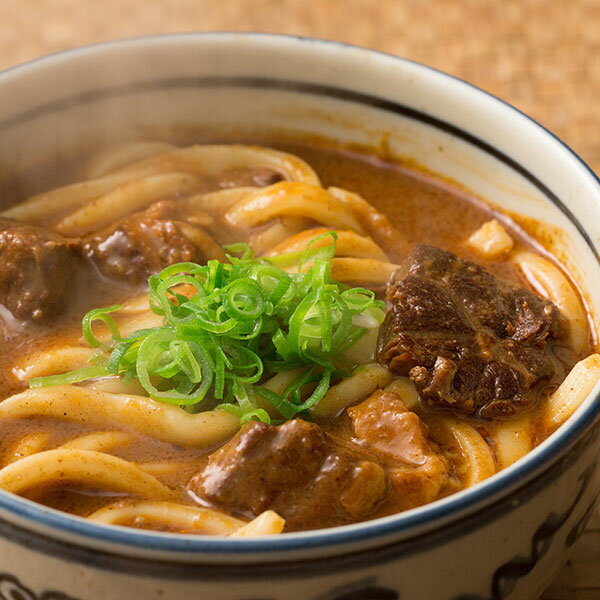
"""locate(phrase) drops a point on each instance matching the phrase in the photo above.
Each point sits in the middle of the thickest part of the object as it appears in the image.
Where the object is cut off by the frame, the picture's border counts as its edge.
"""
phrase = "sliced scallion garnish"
(227, 327)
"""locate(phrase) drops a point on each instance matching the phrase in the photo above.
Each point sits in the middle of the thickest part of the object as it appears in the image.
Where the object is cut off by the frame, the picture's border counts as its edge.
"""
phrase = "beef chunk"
(311, 479)
(419, 473)
(145, 243)
(36, 269)
(468, 340)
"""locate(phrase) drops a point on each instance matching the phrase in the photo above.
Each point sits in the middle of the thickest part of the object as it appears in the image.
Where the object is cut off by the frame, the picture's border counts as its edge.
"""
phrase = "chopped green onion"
(71, 377)
(99, 314)
(228, 327)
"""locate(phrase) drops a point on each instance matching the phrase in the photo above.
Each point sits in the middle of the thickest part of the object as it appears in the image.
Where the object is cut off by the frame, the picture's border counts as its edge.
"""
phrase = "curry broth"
(424, 209)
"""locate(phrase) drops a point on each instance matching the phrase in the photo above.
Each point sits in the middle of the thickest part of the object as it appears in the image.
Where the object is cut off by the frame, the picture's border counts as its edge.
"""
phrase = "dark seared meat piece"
(36, 270)
(295, 469)
(145, 243)
(468, 340)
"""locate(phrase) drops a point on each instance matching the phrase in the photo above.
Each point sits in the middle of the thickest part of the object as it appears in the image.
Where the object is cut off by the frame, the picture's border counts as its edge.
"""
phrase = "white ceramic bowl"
(505, 538)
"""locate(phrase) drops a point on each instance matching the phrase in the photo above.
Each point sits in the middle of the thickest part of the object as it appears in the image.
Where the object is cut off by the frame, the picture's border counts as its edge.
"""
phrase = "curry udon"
(236, 340)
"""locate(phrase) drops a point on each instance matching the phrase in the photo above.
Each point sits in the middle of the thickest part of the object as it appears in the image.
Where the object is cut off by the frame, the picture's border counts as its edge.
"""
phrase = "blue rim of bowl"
(501, 484)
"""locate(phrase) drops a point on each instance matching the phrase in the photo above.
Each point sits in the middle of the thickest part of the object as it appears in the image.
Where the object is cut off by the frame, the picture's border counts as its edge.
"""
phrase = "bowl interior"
(202, 85)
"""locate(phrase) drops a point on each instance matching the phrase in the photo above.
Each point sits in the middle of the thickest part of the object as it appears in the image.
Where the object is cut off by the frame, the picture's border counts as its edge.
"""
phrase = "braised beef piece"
(296, 469)
(419, 473)
(36, 270)
(468, 340)
(146, 242)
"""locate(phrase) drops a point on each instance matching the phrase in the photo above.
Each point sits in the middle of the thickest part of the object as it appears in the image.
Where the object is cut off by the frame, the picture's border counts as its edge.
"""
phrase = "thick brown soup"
(326, 404)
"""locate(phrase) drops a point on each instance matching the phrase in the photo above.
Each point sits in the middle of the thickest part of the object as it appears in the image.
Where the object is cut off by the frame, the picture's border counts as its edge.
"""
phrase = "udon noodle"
(102, 448)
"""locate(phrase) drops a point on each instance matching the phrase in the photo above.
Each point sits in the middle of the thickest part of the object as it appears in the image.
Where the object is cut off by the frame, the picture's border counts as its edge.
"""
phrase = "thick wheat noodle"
(479, 463)
(407, 391)
(267, 523)
(276, 232)
(28, 445)
(291, 199)
(82, 467)
(123, 200)
(162, 468)
(363, 382)
(512, 439)
(196, 160)
(362, 270)
(348, 243)
(278, 383)
(100, 441)
(576, 387)
(215, 159)
(97, 409)
(188, 519)
(51, 361)
(134, 315)
(129, 324)
(551, 283)
(376, 224)
(135, 305)
(215, 203)
(366, 271)
(202, 241)
(191, 519)
(42, 207)
(363, 350)
(115, 384)
(108, 160)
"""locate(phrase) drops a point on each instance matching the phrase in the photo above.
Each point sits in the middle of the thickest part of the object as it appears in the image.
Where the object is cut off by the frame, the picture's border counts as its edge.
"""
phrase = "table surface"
(543, 56)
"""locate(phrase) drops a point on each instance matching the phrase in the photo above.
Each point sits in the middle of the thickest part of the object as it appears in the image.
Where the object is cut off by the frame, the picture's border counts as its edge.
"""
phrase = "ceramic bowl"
(505, 538)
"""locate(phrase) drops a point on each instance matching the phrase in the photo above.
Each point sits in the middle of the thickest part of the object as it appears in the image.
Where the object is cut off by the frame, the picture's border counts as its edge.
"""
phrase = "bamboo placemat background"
(541, 55)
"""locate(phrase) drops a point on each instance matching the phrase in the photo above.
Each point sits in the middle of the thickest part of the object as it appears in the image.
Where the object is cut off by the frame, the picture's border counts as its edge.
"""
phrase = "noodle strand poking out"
(100, 441)
(371, 272)
(27, 446)
(215, 203)
(348, 244)
(52, 361)
(512, 440)
(123, 200)
(187, 519)
(550, 282)
(578, 384)
(377, 225)
(281, 229)
(82, 467)
(405, 388)
(173, 516)
(267, 523)
(162, 421)
(162, 469)
(475, 460)
(351, 390)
